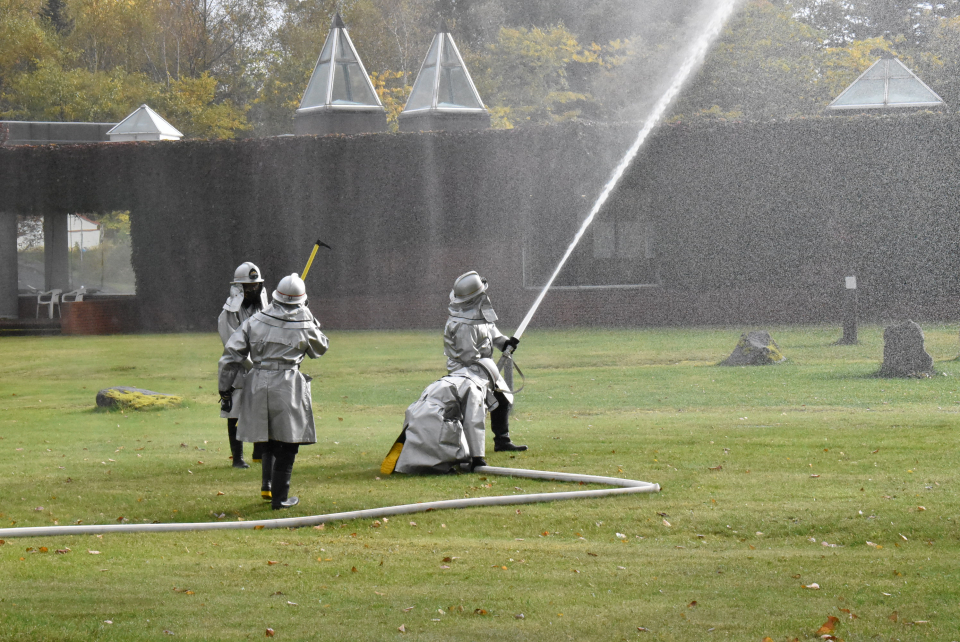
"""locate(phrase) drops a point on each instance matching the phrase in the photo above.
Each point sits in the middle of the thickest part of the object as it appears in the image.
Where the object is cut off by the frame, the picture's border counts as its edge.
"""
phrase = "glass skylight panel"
(909, 90)
(422, 95)
(865, 92)
(351, 86)
(455, 89)
(316, 93)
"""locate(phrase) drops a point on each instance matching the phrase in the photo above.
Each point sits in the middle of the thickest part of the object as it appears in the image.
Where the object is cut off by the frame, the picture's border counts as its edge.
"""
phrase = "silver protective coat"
(469, 337)
(445, 425)
(276, 403)
(235, 313)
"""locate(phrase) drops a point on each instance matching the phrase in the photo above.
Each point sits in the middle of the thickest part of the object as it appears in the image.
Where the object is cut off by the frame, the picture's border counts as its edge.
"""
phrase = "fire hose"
(625, 487)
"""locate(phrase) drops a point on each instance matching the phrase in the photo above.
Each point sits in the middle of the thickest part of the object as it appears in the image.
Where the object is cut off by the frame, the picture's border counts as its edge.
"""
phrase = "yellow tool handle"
(303, 276)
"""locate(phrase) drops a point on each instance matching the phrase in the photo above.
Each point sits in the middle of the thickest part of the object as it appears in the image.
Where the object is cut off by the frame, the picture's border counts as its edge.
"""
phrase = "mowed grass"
(774, 479)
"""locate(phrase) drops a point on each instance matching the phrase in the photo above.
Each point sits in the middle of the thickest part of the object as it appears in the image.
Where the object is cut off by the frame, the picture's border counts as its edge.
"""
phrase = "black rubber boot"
(266, 476)
(477, 461)
(280, 484)
(258, 450)
(500, 425)
(236, 447)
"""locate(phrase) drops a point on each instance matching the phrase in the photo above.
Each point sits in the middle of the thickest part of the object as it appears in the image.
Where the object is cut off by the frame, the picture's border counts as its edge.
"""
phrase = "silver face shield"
(486, 309)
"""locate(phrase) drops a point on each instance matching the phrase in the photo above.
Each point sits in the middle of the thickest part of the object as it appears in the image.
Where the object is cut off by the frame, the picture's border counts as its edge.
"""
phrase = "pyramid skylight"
(886, 84)
(339, 80)
(443, 82)
(144, 124)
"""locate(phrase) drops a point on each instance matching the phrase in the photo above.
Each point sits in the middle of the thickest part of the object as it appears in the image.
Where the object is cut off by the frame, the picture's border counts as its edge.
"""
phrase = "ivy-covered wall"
(751, 223)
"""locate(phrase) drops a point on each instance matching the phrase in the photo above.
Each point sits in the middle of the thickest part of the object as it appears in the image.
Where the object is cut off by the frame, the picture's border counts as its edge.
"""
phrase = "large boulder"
(903, 352)
(127, 398)
(755, 348)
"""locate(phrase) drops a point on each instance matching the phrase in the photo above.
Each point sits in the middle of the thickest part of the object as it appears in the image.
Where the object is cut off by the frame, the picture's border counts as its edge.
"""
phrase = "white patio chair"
(49, 298)
(73, 296)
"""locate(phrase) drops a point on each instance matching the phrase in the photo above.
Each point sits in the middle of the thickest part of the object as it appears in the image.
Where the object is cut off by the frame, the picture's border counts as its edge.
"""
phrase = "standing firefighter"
(276, 406)
(471, 335)
(247, 297)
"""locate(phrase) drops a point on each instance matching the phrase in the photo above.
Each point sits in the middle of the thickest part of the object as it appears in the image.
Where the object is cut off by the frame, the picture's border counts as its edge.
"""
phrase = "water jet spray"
(695, 56)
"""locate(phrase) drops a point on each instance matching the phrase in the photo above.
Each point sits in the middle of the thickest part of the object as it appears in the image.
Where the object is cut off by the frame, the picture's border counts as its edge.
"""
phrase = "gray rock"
(755, 348)
(903, 352)
(135, 398)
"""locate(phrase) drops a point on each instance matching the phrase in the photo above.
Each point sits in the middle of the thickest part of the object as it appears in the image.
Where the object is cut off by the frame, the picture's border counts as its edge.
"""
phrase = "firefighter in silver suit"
(247, 297)
(470, 335)
(444, 427)
(276, 405)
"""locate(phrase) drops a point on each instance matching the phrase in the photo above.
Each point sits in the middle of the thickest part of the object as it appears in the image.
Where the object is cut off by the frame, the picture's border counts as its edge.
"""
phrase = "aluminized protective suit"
(276, 404)
(471, 335)
(445, 426)
(234, 313)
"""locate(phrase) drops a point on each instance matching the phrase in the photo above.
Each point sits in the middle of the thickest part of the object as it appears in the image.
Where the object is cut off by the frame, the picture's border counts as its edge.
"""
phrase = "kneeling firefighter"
(276, 405)
(471, 335)
(247, 297)
(445, 426)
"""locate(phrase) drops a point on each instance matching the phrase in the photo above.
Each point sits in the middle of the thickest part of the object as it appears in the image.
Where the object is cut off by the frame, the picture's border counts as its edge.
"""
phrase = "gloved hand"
(226, 400)
(512, 342)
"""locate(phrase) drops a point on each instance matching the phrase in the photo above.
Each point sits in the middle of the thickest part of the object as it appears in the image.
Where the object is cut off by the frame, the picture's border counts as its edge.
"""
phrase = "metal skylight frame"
(888, 74)
(442, 40)
(337, 37)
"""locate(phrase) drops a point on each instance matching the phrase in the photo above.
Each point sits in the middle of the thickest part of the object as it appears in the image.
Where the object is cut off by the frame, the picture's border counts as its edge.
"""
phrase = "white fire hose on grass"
(625, 487)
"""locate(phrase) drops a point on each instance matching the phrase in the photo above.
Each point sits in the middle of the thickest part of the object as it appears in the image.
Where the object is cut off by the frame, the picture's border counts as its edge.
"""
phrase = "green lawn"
(811, 472)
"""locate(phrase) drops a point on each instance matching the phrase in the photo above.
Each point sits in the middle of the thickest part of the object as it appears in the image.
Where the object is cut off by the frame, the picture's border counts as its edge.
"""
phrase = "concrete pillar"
(56, 252)
(8, 265)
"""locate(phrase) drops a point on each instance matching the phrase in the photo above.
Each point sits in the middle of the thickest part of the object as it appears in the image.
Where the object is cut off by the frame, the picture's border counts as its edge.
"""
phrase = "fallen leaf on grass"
(94, 552)
(271, 562)
(921, 508)
(643, 629)
(169, 632)
(292, 603)
(408, 609)
(379, 593)
(720, 467)
(518, 616)
(400, 628)
(270, 633)
(877, 546)
(893, 617)
(814, 586)
(353, 569)
(692, 604)
(480, 611)
(828, 626)
(63, 551)
(220, 492)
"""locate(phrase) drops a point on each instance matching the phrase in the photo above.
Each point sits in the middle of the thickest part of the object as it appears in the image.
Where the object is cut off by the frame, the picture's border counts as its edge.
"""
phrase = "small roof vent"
(144, 124)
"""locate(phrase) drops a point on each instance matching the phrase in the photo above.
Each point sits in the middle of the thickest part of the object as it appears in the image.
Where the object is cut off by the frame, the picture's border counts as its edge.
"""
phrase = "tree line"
(227, 68)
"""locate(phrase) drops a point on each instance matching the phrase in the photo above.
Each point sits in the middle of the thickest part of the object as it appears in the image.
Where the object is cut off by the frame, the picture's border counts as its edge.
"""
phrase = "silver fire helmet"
(247, 273)
(290, 290)
(467, 286)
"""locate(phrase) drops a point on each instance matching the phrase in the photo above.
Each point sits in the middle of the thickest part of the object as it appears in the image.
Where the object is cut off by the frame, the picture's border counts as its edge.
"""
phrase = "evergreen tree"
(54, 12)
